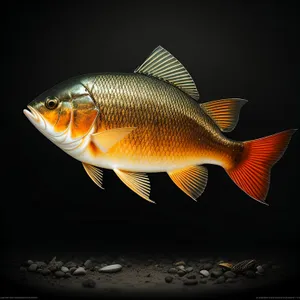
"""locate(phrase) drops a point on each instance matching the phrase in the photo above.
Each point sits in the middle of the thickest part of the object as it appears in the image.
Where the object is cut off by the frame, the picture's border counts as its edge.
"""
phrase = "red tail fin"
(252, 172)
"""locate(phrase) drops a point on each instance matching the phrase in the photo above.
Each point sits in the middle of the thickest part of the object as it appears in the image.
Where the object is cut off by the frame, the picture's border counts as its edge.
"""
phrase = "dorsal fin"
(164, 66)
(225, 112)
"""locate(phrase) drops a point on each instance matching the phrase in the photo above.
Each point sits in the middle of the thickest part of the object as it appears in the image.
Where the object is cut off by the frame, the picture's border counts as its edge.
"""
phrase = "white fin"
(95, 174)
(191, 180)
(138, 182)
(163, 65)
(106, 139)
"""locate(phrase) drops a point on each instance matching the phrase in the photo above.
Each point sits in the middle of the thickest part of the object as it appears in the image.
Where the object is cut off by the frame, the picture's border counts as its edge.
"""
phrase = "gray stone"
(216, 272)
(64, 269)
(203, 280)
(28, 263)
(230, 280)
(181, 273)
(207, 266)
(189, 269)
(89, 283)
(45, 272)
(79, 271)
(111, 268)
(179, 263)
(250, 274)
(172, 271)
(190, 282)
(68, 275)
(181, 268)
(70, 264)
(259, 273)
(32, 268)
(168, 279)
(41, 264)
(260, 269)
(221, 279)
(72, 270)
(23, 269)
(59, 274)
(88, 264)
(191, 276)
(229, 274)
(204, 273)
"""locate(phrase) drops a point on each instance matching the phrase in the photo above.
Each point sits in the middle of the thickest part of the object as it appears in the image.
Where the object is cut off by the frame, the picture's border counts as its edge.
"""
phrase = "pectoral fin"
(95, 174)
(191, 180)
(106, 139)
(225, 112)
(138, 182)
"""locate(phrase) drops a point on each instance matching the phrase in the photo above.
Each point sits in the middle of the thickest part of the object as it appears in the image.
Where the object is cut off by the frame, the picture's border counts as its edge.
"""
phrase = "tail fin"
(252, 172)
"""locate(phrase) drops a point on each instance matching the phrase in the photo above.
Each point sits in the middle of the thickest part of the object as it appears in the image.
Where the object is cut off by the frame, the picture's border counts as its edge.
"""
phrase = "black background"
(231, 50)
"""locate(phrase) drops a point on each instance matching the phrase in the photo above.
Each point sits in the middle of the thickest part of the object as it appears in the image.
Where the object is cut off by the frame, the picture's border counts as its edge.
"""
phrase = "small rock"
(168, 279)
(88, 264)
(32, 268)
(260, 269)
(79, 271)
(190, 282)
(191, 276)
(89, 283)
(216, 272)
(172, 271)
(72, 270)
(70, 264)
(45, 272)
(250, 274)
(41, 264)
(221, 279)
(259, 274)
(207, 266)
(181, 273)
(64, 269)
(39, 270)
(204, 273)
(203, 280)
(23, 269)
(229, 274)
(27, 263)
(180, 268)
(189, 269)
(68, 275)
(179, 263)
(230, 280)
(111, 268)
(103, 265)
(59, 274)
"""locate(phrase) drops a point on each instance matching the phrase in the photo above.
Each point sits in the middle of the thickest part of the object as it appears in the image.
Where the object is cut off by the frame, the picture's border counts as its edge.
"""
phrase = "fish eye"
(52, 103)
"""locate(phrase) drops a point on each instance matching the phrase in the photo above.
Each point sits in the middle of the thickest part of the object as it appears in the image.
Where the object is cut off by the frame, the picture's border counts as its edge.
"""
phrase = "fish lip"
(34, 117)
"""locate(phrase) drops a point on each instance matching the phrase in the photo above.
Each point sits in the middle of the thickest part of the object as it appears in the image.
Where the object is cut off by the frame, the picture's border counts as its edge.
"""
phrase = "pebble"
(221, 279)
(205, 273)
(88, 264)
(68, 275)
(179, 263)
(41, 264)
(189, 269)
(207, 266)
(190, 282)
(28, 263)
(79, 271)
(70, 264)
(89, 283)
(23, 269)
(181, 273)
(172, 271)
(45, 272)
(64, 269)
(32, 268)
(111, 268)
(203, 280)
(168, 279)
(229, 274)
(260, 269)
(230, 280)
(181, 268)
(259, 273)
(59, 274)
(72, 269)
(250, 274)
(191, 276)
(216, 272)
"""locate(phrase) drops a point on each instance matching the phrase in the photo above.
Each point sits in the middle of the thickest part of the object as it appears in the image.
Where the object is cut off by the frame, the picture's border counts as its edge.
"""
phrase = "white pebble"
(79, 271)
(65, 269)
(111, 268)
(205, 273)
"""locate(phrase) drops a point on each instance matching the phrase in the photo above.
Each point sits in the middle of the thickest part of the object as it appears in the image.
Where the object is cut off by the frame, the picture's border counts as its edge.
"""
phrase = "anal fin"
(137, 182)
(191, 180)
(96, 174)
(225, 112)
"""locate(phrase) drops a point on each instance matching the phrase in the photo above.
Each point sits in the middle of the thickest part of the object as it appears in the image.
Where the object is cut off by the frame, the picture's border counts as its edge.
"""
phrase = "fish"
(151, 121)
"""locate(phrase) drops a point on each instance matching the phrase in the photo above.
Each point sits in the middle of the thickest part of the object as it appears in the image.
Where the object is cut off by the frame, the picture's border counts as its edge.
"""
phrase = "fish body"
(150, 121)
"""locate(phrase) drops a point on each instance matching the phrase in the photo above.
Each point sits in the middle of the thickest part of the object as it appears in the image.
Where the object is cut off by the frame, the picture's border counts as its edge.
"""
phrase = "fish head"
(64, 114)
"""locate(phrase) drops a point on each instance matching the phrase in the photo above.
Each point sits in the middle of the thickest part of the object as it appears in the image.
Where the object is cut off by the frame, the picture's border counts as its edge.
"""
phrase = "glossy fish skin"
(150, 121)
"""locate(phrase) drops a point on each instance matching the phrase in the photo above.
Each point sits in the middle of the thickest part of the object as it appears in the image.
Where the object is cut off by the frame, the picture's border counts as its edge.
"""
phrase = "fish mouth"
(34, 117)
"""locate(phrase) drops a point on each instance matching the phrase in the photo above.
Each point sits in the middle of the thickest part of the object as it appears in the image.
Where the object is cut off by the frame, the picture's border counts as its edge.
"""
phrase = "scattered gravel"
(229, 274)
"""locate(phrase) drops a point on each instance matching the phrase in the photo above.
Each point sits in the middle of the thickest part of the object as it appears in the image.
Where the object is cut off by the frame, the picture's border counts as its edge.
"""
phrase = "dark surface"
(230, 49)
